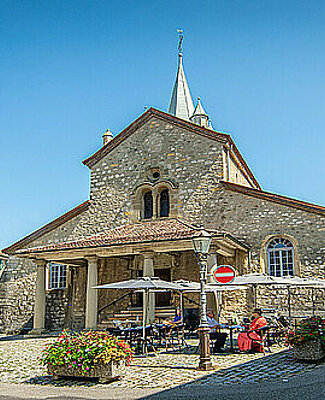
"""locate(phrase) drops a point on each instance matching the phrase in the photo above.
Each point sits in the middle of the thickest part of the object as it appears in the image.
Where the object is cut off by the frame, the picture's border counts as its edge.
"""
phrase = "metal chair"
(174, 332)
(264, 340)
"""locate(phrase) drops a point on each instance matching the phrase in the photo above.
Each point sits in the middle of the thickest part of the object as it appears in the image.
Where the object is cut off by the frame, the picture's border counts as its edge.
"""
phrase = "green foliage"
(85, 349)
(308, 329)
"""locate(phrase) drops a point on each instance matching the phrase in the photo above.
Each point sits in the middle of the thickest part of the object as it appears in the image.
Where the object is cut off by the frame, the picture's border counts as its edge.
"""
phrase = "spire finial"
(181, 103)
(180, 37)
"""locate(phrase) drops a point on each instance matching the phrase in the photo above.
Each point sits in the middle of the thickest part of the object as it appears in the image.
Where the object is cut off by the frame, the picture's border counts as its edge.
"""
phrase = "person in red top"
(245, 342)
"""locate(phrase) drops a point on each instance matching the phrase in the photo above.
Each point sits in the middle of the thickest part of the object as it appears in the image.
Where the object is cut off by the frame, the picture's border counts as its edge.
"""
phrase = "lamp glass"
(202, 242)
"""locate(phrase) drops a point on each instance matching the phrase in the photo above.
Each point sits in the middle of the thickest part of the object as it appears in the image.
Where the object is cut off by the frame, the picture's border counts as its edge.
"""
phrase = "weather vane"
(180, 34)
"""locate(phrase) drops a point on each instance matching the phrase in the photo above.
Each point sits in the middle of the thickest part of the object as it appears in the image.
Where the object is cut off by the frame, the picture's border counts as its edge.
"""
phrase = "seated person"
(219, 337)
(245, 342)
(177, 320)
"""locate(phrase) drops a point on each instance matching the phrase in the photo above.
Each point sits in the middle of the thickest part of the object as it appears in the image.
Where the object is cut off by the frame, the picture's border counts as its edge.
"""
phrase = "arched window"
(164, 203)
(280, 257)
(148, 205)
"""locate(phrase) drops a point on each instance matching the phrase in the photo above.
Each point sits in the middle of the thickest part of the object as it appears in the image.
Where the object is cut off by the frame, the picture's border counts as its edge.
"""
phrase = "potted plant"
(88, 354)
(308, 339)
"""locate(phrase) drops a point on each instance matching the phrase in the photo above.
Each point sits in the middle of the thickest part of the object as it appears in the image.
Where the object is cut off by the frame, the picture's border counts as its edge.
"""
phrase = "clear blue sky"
(71, 69)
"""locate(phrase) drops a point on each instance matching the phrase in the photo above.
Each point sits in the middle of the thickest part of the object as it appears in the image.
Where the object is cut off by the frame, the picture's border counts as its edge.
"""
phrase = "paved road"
(307, 386)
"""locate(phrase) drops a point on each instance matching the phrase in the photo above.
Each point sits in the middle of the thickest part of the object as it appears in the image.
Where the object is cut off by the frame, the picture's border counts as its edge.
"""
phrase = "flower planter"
(104, 373)
(309, 351)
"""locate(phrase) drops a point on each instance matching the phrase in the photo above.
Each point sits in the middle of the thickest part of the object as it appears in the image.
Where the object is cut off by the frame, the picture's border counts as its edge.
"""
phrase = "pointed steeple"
(181, 104)
(200, 117)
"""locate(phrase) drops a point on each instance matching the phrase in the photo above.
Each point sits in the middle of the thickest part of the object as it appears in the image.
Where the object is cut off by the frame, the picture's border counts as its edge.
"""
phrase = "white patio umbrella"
(253, 280)
(312, 283)
(218, 290)
(192, 287)
(146, 284)
(188, 286)
(256, 279)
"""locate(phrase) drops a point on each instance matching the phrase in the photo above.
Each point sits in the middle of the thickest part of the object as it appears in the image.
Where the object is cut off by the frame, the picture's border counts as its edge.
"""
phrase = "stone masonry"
(194, 166)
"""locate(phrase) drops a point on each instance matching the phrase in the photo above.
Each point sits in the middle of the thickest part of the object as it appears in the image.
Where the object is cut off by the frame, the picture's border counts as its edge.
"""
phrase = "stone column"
(39, 305)
(91, 294)
(149, 300)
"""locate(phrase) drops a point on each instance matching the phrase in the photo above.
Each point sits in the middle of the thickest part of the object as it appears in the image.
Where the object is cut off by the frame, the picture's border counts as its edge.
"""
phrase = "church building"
(153, 187)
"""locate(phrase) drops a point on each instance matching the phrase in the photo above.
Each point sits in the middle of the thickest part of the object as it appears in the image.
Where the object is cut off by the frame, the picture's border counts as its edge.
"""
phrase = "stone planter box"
(104, 373)
(309, 351)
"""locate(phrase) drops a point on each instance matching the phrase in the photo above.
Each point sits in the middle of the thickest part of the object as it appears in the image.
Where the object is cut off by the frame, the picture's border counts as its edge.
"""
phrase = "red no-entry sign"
(223, 273)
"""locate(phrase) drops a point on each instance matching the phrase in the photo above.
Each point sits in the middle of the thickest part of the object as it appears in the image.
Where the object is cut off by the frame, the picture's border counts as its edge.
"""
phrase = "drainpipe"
(228, 162)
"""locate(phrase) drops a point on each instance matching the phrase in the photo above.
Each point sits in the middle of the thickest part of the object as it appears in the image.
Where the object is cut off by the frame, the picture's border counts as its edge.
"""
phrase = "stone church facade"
(153, 187)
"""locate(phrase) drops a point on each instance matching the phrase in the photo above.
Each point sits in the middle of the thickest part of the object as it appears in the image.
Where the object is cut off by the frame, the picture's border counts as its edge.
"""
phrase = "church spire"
(200, 117)
(181, 103)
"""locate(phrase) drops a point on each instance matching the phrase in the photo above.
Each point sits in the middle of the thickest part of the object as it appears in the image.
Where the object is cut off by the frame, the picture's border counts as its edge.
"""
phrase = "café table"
(231, 329)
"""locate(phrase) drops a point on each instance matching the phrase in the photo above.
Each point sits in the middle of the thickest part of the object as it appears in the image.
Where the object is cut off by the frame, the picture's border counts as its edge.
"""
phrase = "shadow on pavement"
(277, 376)
(24, 337)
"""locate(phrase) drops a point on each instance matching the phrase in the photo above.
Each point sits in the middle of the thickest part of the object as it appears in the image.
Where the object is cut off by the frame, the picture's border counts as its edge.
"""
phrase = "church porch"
(96, 260)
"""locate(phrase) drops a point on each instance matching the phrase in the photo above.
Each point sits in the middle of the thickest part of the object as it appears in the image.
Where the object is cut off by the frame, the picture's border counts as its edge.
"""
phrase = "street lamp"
(201, 244)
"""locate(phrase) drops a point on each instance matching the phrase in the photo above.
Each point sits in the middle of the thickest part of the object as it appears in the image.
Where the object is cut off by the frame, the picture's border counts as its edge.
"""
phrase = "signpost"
(223, 273)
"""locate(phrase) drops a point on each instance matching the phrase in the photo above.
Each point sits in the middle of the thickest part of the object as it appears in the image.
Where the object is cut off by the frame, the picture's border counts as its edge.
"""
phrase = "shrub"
(308, 329)
(85, 349)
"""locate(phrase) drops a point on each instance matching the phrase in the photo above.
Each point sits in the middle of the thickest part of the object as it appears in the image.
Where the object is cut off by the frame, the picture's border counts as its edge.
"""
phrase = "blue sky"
(71, 69)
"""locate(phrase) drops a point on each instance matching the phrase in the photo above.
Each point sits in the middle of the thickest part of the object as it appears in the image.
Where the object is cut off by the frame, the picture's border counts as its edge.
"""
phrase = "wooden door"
(163, 299)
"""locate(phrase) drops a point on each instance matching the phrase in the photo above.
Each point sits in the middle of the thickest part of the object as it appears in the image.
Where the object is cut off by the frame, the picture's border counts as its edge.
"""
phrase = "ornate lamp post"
(201, 244)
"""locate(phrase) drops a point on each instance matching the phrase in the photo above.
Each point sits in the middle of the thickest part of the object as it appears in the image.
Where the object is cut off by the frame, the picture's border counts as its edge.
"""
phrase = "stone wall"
(17, 287)
(253, 220)
(56, 309)
(236, 175)
(192, 163)
(67, 231)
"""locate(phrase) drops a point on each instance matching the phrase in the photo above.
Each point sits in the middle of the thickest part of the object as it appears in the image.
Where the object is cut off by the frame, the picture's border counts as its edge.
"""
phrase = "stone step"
(134, 314)
(140, 310)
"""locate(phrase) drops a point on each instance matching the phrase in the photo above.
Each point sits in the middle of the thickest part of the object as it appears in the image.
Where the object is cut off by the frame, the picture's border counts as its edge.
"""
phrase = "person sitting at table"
(172, 326)
(177, 320)
(246, 339)
(215, 334)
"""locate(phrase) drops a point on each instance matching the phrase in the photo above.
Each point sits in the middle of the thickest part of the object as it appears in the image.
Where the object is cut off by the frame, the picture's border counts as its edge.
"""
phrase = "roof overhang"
(275, 198)
(159, 236)
(225, 245)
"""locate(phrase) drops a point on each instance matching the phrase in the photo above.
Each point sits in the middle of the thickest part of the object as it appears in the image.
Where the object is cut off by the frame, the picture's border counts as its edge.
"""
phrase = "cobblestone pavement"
(18, 364)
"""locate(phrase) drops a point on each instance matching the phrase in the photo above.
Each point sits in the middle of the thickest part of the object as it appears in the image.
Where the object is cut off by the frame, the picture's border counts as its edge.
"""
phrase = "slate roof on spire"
(199, 110)
(181, 104)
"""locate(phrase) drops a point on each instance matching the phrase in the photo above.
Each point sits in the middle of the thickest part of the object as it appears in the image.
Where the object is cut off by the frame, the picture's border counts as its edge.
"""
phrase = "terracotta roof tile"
(165, 229)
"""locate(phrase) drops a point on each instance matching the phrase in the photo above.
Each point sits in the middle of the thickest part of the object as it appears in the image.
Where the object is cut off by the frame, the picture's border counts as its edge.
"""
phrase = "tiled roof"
(159, 230)
(276, 198)
(47, 228)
